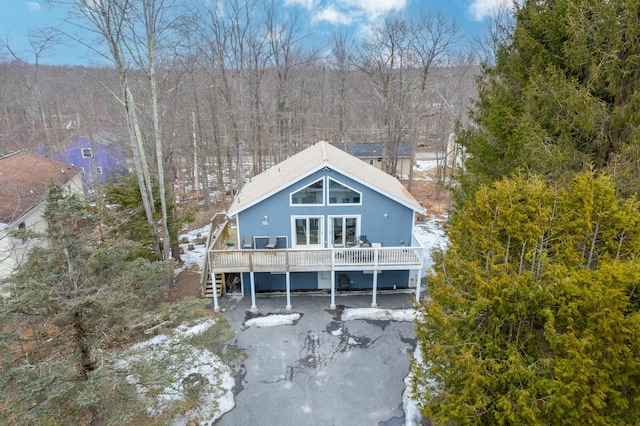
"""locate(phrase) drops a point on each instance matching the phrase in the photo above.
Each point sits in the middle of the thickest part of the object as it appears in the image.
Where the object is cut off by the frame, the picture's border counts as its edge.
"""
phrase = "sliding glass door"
(307, 231)
(344, 230)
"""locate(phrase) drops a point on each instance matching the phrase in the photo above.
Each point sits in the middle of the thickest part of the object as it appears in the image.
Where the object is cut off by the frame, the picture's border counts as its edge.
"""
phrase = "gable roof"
(23, 182)
(372, 149)
(310, 160)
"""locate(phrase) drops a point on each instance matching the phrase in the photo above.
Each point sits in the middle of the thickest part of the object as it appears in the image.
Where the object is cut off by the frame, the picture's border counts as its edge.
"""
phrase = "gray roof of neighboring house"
(372, 149)
(24, 178)
(308, 161)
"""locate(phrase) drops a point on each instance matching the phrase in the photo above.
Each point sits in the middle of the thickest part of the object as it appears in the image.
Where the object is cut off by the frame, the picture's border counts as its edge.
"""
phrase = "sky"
(19, 18)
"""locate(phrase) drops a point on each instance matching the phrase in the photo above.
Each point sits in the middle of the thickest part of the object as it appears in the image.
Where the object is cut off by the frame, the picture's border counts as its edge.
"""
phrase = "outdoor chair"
(363, 241)
(273, 242)
(247, 242)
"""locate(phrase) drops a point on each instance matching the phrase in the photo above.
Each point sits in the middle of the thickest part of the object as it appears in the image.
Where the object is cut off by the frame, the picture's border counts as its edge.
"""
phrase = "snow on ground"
(431, 236)
(412, 414)
(271, 320)
(378, 314)
(425, 166)
(186, 367)
(195, 257)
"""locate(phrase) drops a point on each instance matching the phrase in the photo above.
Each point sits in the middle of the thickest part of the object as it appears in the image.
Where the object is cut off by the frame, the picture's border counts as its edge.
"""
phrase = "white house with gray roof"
(322, 220)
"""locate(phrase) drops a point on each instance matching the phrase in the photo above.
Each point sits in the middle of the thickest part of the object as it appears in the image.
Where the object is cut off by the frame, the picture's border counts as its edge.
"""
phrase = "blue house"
(320, 220)
(101, 163)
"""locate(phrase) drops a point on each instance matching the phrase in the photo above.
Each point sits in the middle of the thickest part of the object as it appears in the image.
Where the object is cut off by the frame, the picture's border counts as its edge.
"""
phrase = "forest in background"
(236, 95)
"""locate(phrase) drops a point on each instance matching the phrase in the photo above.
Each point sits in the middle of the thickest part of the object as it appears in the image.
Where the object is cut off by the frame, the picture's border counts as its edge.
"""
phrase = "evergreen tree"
(563, 93)
(534, 311)
(125, 197)
(73, 304)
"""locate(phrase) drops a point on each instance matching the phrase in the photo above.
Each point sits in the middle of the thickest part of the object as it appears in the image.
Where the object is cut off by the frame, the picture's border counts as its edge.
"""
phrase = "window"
(22, 227)
(344, 230)
(99, 170)
(87, 153)
(342, 194)
(310, 195)
(371, 162)
(307, 231)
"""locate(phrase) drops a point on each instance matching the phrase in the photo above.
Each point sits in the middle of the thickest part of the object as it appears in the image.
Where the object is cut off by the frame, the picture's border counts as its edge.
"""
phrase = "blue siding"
(306, 281)
(112, 161)
(390, 231)
(267, 282)
(386, 280)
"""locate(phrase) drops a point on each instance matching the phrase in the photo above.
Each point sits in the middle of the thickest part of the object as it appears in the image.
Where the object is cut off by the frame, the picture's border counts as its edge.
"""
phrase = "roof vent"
(62, 171)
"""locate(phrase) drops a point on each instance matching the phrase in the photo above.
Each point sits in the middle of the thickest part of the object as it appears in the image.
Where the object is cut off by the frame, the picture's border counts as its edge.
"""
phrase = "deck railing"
(279, 260)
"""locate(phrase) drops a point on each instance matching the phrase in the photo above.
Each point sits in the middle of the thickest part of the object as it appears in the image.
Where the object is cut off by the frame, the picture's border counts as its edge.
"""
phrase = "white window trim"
(90, 152)
(321, 231)
(328, 192)
(342, 216)
(324, 193)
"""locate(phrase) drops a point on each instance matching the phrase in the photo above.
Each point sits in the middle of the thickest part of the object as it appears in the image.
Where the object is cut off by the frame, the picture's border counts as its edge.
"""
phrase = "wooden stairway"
(220, 286)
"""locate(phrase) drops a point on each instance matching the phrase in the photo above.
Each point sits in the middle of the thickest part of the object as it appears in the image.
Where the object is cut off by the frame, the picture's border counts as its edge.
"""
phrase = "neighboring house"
(24, 178)
(101, 163)
(320, 220)
(371, 153)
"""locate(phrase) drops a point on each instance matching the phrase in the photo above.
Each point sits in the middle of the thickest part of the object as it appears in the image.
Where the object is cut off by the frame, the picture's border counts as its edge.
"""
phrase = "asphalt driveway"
(320, 370)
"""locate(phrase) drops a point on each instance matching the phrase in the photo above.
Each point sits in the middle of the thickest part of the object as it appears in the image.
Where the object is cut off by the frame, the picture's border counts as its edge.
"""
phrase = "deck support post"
(288, 280)
(374, 302)
(254, 308)
(333, 290)
(216, 307)
(418, 286)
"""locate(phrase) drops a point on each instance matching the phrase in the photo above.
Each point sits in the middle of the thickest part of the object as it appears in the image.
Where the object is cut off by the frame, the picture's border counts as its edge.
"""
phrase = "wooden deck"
(300, 260)
(224, 258)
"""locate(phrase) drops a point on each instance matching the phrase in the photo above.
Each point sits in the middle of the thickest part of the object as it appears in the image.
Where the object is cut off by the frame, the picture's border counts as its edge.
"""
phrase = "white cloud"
(481, 9)
(374, 8)
(307, 4)
(333, 16)
(34, 6)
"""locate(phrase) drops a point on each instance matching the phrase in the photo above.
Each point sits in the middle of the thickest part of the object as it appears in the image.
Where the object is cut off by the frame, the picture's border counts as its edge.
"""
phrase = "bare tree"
(341, 62)
(433, 39)
(107, 19)
(384, 61)
(151, 26)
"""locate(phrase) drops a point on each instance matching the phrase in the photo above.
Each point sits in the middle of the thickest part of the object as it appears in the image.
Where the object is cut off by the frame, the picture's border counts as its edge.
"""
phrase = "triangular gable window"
(309, 195)
(342, 194)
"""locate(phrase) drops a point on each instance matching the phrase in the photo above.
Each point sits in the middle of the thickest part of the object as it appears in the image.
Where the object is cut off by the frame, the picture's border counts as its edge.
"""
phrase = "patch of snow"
(431, 236)
(412, 414)
(195, 257)
(184, 366)
(271, 320)
(427, 166)
(378, 314)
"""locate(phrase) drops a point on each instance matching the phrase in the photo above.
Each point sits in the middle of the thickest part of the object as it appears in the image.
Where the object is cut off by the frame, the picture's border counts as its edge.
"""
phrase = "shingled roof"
(372, 149)
(24, 178)
(310, 160)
